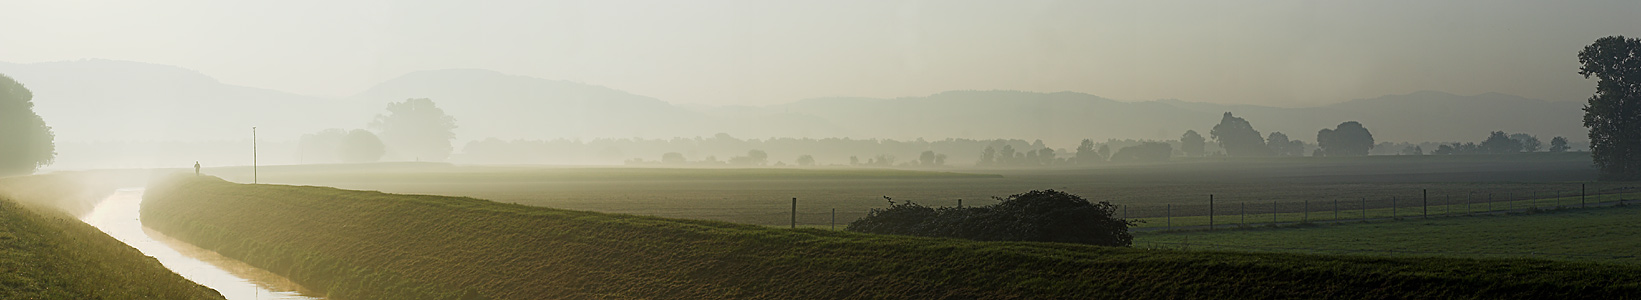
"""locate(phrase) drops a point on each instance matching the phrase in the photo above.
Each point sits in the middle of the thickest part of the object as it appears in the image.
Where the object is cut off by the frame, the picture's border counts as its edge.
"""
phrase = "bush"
(1039, 216)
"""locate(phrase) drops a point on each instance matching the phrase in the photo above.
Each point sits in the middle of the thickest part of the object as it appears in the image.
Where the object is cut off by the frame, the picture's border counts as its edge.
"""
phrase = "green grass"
(1605, 235)
(370, 245)
(49, 254)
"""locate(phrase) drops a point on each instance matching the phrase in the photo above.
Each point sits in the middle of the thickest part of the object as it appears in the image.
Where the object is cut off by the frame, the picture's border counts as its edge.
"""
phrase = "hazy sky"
(1281, 53)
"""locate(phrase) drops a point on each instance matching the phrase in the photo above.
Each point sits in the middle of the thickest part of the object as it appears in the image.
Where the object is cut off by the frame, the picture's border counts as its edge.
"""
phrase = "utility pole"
(794, 213)
(253, 156)
(1426, 206)
(1210, 211)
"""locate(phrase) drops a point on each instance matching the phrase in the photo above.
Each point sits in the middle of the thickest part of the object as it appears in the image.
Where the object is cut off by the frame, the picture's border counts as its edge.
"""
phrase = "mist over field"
(904, 149)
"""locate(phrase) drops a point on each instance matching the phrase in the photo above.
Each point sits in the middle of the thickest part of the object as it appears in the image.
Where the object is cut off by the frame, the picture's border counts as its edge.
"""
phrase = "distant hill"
(103, 100)
(107, 100)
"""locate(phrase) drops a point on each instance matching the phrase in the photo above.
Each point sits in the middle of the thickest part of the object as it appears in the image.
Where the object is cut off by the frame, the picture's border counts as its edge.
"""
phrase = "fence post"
(1392, 207)
(959, 203)
(1168, 214)
(1581, 195)
(1125, 211)
(1426, 205)
(794, 213)
(1210, 211)
(835, 218)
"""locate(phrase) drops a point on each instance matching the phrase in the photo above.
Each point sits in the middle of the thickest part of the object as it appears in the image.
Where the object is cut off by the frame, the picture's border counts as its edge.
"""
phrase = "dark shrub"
(1040, 216)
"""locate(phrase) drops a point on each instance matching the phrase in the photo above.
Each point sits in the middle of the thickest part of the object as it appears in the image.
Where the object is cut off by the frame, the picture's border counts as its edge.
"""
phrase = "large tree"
(1347, 139)
(361, 146)
(1499, 143)
(1613, 114)
(1529, 143)
(1558, 145)
(26, 143)
(1192, 144)
(1239, 138)
(416, 129)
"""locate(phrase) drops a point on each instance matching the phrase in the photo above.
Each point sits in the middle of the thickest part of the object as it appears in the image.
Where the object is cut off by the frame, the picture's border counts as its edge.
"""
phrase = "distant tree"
(1615, 131)
(1445, 149)
(926, 158)
(1558, 145)
(940, 159)
(1192, 144)
(1280, 145)
(854, 161)
(1347, 139)
(1499, 143)
(1412, 150)
(361, 146)
(752, 158)
(1239, 138)
(806, 160)
(1046, 156)
(1086, 153)
(1147, 151)
(675, 158)
(26, 143)
(416, 129)
(988, 157)
(1104, 151)
(1006, 155)
(1529, 143)
(321, 147)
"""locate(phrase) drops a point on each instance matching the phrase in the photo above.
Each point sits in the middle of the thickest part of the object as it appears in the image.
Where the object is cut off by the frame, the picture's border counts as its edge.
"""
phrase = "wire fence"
(1217, 211)
(1212, 246)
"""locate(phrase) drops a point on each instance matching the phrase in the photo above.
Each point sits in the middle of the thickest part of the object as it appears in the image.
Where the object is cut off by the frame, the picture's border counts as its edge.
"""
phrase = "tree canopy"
(361, 146)
(1239, 138)
(26, 143)
(1347, 139)
(1192, 144)
(416, 129)
(1613, 114)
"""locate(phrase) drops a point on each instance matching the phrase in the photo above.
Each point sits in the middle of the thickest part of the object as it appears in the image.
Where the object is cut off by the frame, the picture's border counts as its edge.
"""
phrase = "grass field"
(368, 245)
(46, 253)
(1604, 235)
(763, 196)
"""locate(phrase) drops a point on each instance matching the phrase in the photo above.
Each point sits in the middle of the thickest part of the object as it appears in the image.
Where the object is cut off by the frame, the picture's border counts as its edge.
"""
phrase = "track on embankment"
(370, 245)
(48, 253)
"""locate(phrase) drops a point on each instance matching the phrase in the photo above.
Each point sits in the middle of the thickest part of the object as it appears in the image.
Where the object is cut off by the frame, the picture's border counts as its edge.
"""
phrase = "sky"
(725, 52)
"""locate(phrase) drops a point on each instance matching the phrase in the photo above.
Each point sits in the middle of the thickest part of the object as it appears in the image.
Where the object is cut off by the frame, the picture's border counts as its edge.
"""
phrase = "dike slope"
(371, 245)
(47, 253)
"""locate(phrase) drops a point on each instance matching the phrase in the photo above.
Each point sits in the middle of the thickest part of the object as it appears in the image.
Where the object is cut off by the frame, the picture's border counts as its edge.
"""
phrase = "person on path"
(196, 168)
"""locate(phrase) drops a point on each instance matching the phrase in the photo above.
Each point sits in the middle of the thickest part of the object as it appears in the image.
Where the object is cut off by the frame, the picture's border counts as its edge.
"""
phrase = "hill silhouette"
(79, 99)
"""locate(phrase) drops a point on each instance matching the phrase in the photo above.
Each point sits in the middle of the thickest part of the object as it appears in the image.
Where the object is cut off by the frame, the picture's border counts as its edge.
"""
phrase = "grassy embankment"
(369, 245)
(1604, 234)
(47, 253)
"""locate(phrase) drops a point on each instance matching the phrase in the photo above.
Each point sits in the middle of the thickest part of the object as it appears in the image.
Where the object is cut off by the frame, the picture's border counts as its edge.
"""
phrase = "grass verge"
(370, 245)
(49, 254)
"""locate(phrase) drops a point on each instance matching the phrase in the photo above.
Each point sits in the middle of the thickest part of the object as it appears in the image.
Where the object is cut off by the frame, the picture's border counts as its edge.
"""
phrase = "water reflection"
(118, 217)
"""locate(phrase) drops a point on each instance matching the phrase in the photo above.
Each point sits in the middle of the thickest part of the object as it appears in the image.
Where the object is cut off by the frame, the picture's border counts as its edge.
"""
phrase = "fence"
(1216, 211)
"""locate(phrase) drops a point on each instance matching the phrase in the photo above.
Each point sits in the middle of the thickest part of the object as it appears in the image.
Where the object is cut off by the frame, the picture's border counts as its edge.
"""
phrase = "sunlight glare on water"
(118, 216)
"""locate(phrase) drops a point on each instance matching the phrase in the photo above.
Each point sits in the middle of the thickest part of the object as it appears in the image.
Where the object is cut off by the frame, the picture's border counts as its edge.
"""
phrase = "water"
(117, 215)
